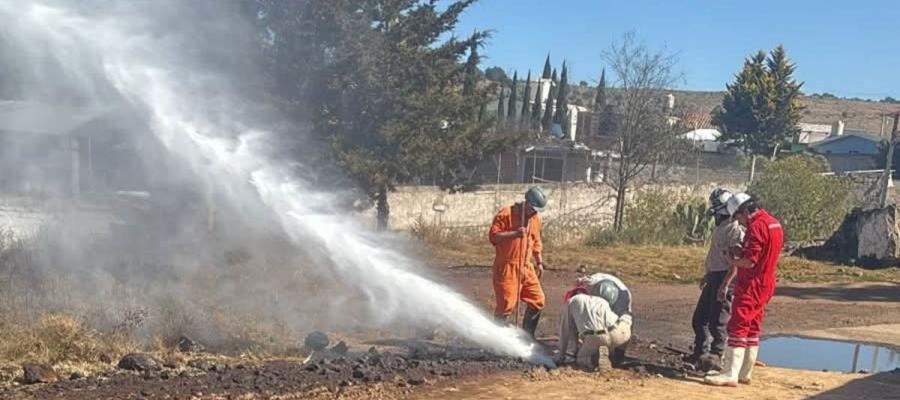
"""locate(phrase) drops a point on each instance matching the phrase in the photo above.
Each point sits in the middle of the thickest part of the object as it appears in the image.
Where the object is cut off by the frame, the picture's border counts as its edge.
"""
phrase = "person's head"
(742, 206)
(535, 201)
(606, 290)
(718, 208)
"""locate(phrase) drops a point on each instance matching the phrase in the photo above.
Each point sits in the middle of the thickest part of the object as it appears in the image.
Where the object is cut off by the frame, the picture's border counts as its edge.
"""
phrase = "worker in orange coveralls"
(516, 234)
(753, 288)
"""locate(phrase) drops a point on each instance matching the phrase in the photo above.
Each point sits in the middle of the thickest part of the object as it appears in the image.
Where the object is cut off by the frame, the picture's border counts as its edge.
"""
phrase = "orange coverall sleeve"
(536, 245)
(500, 224)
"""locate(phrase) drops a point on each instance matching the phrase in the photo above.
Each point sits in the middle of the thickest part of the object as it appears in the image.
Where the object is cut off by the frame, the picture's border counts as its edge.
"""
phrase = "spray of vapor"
(195, 109)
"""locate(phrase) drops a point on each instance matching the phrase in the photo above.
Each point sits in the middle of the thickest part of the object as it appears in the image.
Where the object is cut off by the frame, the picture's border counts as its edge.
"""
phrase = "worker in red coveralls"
(754, 286)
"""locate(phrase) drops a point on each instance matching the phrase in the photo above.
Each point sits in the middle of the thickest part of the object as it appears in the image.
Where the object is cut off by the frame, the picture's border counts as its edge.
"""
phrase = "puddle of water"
(831, 355)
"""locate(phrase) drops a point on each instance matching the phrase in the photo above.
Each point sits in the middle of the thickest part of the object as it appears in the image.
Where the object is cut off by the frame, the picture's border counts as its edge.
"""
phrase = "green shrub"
(808, 204)
(658, 216)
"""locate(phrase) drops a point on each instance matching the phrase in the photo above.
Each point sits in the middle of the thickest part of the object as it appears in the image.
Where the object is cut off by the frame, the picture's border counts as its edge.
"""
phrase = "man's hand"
(519, 233)
(703, 282)
(722, 293)
(539, 269)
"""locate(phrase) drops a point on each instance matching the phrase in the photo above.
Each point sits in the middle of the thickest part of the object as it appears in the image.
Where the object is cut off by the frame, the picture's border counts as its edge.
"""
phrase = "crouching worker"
(597, 319)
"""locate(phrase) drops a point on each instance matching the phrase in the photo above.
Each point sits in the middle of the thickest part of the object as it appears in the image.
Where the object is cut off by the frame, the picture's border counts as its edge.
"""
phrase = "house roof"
(815, 128)
(37, 118)
(697, 120)
(846, 135)
(701, 135)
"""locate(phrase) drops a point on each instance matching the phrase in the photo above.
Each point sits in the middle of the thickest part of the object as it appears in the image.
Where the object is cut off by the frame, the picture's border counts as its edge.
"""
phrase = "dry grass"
(64, 341)
(674, 264)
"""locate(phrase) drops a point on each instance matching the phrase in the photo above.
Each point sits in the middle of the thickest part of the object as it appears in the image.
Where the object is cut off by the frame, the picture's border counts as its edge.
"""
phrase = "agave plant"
(692, 218)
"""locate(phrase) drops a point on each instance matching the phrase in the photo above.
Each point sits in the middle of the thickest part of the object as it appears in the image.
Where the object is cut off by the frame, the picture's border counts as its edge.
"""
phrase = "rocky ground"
(418, 369)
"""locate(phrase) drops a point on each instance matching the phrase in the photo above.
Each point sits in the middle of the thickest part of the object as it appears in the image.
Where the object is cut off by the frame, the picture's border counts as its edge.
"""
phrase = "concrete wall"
(573, 209)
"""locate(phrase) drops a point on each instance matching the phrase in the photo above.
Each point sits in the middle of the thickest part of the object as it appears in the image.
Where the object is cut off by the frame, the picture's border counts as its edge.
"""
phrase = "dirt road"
(663, 311)
(772, 383)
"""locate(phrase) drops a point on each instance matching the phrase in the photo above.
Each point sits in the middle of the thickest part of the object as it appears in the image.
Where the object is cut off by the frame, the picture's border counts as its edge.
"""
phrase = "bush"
(659, 217)
(808, 204)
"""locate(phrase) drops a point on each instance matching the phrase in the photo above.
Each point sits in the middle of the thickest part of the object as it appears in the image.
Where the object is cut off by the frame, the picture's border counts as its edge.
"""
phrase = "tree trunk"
(752, 167)
(619, 218)
(383, 209)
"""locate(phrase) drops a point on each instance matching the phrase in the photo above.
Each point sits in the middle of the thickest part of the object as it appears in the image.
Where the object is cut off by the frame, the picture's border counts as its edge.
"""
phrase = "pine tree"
(600, 98)
(788, 110)
(547, 119)
(526, 97)
(546, 74)
(562, 102)
(395, 113)
(747, 108)
(513, 96)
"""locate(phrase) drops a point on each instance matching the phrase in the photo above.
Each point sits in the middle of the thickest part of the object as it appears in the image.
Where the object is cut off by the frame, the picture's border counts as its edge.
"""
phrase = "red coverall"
(511, 267)
(754, 287)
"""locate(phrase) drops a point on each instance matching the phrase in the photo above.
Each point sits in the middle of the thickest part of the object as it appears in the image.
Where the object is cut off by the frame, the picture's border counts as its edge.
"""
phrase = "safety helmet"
(536, 198)
(718, 200)
(736, 201)
(607, 290)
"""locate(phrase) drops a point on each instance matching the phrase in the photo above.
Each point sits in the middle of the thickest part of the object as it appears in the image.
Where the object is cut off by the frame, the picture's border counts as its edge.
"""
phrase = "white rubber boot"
(747, 368)
(733, 361)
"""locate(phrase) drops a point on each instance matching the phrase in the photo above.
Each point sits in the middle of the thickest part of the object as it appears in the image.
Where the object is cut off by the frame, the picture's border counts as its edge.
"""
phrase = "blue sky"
(848, 48)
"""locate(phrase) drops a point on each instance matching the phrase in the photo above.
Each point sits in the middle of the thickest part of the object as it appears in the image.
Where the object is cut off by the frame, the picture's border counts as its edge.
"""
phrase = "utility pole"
(888, 163)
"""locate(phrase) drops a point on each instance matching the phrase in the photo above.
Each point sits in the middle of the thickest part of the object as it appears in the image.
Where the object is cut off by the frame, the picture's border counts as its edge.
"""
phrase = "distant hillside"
(856, 114)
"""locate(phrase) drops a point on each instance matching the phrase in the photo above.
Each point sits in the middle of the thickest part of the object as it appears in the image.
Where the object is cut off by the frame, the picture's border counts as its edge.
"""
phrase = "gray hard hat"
(536, 198)
(607, 290)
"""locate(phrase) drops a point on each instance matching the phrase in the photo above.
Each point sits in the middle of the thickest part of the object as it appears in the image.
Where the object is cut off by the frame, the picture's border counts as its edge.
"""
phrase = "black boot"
(530, 321)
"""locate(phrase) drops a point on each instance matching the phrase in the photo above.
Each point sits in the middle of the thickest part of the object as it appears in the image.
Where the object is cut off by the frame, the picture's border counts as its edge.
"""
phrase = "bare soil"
(418, 369)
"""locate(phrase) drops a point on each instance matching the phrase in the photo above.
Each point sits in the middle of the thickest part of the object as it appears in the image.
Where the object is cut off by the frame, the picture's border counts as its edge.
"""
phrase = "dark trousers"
(711, 316)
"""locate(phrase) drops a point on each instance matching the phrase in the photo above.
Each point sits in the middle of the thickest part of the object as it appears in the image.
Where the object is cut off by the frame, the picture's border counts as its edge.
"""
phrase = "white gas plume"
(182, 71)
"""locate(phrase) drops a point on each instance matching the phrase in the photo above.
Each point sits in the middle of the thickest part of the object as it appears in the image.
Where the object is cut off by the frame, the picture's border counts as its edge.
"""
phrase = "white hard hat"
(736, 202)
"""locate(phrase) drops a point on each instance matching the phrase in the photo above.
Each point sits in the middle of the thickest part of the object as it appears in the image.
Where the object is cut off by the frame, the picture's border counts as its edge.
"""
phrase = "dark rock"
(373, 351)
(165, 375)
(76, 376)
(139, 362)
(170, 365)
(358, 374)
(105, 358)
(188, 345)
(220, 368)
(316, 341)
(38, 373)
(416, 381)
(340, 348)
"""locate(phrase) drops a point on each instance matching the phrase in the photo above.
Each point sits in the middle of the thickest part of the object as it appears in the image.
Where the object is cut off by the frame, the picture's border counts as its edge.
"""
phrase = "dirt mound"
(365, 372)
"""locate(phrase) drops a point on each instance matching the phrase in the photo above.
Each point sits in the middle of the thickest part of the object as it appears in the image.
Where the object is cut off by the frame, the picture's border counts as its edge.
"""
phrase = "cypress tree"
(513, 95)
(547, 119)
(501, 110)
(562, 102)
(600, 99)
(471, 70)
(536, 107)
(526, 97)
(546, 74)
